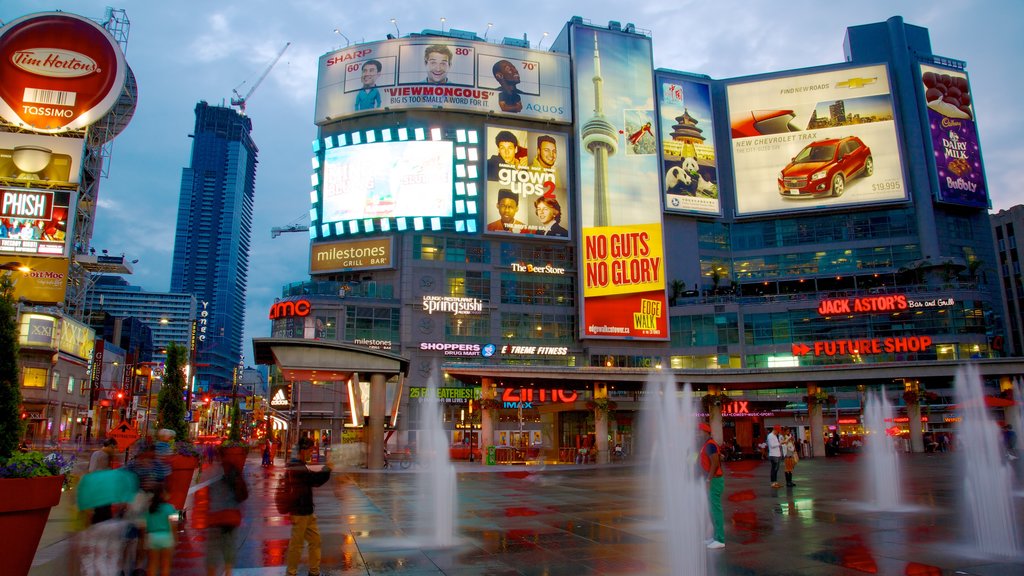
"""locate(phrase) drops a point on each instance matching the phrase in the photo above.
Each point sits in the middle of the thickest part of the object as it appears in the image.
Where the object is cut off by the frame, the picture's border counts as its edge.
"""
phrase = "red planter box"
(24, 508)
(182, 470)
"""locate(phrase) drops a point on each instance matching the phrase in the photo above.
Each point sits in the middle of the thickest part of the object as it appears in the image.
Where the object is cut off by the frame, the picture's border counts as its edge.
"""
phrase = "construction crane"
(293, 226)
(240, 100)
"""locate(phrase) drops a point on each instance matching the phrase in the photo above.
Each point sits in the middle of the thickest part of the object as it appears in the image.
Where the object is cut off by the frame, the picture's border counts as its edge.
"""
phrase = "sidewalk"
(594, 519)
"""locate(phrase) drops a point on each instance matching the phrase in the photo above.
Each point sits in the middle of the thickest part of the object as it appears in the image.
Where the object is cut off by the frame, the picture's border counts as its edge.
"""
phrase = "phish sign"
(32, 204)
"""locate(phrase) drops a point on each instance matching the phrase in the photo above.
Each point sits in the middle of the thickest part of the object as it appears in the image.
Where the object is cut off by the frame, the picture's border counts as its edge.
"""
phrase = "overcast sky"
(190, 50)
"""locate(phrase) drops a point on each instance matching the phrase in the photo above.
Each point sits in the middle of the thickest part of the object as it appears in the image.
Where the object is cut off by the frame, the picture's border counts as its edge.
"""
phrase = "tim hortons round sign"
(58, 72)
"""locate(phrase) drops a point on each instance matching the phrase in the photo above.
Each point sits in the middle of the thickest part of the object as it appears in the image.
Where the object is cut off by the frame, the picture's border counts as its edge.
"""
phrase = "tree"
(11, 425)
(171, 401)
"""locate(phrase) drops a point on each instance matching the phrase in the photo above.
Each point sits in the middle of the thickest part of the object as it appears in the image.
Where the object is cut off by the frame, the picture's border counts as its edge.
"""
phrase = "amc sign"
(290, 309)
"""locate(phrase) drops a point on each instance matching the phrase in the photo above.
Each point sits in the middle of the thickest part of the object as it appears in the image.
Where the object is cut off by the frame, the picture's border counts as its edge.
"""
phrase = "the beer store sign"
(531, 269)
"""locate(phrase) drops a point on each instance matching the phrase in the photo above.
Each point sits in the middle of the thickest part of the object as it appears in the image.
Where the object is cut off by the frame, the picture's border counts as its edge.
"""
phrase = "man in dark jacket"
(302, 480)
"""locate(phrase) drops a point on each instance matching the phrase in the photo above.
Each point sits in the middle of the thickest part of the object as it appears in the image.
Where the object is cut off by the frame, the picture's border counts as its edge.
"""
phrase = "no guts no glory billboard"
(622, 262)
(442, 72)
(58, 72)
(954, 136)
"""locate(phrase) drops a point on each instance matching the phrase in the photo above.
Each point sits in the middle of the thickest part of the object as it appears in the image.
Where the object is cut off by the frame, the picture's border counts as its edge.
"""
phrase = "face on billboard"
(387, 180)
(622, 265)
(954, 136)
(526, 183)
(60, 72)
(33, 222)
(815, 141)
(468, 76)
(689, 163)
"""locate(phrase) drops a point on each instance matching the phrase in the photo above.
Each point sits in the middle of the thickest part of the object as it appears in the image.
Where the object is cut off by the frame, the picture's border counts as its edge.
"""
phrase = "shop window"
(34, 377)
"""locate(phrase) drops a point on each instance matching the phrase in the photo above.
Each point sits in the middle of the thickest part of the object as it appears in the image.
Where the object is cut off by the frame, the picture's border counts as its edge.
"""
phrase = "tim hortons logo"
(54, 62)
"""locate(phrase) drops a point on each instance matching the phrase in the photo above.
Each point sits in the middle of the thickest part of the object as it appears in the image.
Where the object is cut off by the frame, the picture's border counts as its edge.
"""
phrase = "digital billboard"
(387, 180)
(40, 280)
(40, 160)
(526, 183)
(396, 179)
(688, 160)
(954, 137)
(60, 72)
(33, 222)
(443, 73)
(622, 265)
(815, 141)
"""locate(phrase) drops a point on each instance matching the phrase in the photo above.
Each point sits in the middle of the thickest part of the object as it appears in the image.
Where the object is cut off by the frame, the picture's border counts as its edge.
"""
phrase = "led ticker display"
(620, 212)
(394, 179)
(463, 75)
(387, 180)
(954, 137)
(815, 141)
(689, 163)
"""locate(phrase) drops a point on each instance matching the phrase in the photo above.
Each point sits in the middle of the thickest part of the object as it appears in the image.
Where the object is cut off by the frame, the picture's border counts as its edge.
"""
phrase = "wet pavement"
(594, 519)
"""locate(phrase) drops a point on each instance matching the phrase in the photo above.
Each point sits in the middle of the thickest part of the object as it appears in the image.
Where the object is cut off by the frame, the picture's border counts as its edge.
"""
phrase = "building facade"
(211, 246)
(1005, 223)
(774, 239)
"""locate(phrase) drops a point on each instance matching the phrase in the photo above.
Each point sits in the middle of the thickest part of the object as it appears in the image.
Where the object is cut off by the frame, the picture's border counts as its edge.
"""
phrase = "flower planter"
(234, 455)
(24, 508)
(177, 484)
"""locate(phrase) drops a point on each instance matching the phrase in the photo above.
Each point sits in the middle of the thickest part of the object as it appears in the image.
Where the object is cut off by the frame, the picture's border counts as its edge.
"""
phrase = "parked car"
(824, 167)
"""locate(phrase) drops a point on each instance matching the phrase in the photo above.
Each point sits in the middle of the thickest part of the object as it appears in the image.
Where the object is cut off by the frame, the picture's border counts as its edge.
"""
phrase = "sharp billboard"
(815, 141)
(622, 265)
(443, 73)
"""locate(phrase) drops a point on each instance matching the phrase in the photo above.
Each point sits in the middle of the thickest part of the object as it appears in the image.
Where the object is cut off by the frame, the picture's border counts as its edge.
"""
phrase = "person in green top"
(160, 535)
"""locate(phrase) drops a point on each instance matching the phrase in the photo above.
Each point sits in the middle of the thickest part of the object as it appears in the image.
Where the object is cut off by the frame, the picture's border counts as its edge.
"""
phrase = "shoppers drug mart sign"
(58, 72)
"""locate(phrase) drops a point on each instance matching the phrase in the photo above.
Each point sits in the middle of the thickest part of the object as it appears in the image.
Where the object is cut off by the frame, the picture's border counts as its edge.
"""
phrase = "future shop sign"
(60, 72)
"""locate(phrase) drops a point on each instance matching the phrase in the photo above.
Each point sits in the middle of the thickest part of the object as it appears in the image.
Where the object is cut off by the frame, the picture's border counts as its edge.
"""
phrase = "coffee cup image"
(30, 161)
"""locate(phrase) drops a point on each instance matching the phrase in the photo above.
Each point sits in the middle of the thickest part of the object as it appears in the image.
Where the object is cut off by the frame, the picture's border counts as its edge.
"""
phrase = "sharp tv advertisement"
(388, 180)
(815, 141)
(954, 137)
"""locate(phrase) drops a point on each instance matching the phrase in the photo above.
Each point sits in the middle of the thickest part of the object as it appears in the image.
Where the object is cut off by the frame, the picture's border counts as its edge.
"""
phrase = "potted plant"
(709, 400)
(171, 415)
(489, 404)
(30, 483)
(234, 449)
(601, 405)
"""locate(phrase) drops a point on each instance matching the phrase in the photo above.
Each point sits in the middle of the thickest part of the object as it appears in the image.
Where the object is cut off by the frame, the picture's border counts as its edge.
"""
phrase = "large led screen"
(388, 180)
(688, 160)
(954, 136)
(33, 222)
(526, 183)
(622, 265)
(444, 73)
(815, 141)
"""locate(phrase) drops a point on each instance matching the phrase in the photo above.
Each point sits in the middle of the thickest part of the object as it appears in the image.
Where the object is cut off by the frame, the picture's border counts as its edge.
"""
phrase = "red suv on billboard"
(822, 168)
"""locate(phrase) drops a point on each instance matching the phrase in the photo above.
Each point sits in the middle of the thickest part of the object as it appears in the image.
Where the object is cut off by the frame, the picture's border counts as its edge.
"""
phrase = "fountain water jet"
(435, 500)
(987, 499)
(883, 464)
(678, 496)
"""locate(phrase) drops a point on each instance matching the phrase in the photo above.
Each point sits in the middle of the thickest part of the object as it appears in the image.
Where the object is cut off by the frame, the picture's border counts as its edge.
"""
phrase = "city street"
(590, 519)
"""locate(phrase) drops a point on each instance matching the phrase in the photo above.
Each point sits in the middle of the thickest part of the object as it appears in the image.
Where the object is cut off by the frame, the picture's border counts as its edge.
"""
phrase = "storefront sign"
(535, 350)
(451, 349)
(531, 269)
(864, 346)
(886, 303)
(453, 305)
(369, 254)
(290, 308)
(447, 395)
(525, 397)
(373, 344)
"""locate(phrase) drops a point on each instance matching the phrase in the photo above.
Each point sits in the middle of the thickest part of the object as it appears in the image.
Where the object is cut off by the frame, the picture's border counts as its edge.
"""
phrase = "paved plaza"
(593, 519)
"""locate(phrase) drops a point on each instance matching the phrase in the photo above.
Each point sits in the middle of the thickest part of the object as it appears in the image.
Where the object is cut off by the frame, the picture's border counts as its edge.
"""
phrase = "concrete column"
(916, 433)
(715, 416)
(488, 391)
(378, 408)
(550, 441)
(814, 410)
(601, 424)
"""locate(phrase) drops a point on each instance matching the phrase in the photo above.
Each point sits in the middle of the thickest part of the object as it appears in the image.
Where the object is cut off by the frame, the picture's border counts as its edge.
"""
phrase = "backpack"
(285, 494)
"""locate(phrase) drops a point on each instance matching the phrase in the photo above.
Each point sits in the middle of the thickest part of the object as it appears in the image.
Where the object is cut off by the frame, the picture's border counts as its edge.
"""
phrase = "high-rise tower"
(601, 140)
(211, 245)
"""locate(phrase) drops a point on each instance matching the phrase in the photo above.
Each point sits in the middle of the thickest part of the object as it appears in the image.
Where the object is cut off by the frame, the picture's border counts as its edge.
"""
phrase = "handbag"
(228, 517)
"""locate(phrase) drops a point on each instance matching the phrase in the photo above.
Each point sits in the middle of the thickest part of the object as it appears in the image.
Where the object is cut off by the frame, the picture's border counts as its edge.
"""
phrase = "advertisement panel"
(33, 221)
(447, 73)
(388, 180)
(43, 281)
(38, 160)
(688, 158)
(622, 265)
(369, 254)
(954, 136)
(815, 141)
(527, 189)
(60, 72)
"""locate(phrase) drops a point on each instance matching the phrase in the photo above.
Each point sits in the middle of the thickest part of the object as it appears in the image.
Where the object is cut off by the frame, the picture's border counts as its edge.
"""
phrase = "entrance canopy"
(302, 360)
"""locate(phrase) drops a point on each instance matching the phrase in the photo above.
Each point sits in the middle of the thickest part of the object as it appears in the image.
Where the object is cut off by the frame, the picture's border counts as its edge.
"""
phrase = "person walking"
(301, 481)
(225, 496)
(790, 451)
(775, 454)
(103, 457)
(711, 462)
(160, 535)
